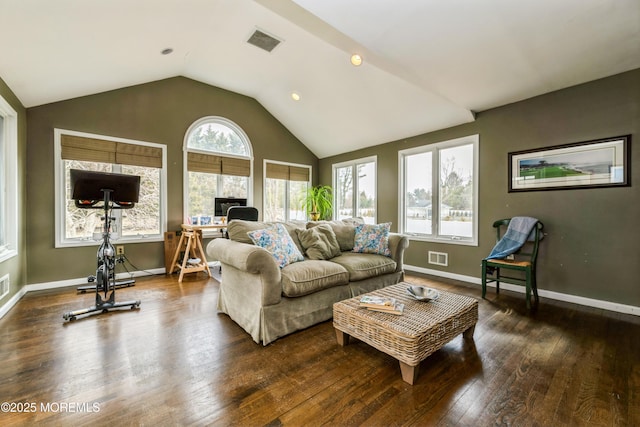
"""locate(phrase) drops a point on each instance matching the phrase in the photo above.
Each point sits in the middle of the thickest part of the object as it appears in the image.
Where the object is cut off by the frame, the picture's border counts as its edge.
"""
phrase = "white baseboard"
(65, 283)
(83, 280)
(12, 301)
(575, 299)
(605, 305)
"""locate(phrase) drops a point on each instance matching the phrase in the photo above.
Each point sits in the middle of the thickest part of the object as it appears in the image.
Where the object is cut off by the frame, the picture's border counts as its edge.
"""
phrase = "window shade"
(88, 149)
(277, 171)
(299, 174)
(207, 163)
(104, 151)
(210, 163)
(286, 172)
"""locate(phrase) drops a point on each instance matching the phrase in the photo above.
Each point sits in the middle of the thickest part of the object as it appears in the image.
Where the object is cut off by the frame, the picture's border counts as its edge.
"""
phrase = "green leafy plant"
(318, 202)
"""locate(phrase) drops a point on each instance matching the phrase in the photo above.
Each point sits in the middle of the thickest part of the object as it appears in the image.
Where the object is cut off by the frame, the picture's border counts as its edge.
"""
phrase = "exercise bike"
(85, 186)
(123, 283)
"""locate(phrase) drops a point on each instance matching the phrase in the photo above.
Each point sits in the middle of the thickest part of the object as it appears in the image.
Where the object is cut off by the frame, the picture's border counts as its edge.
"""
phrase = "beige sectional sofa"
(269, 302)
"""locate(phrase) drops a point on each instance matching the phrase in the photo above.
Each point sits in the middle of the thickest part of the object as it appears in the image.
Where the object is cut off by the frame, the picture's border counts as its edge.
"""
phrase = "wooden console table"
(191, 244)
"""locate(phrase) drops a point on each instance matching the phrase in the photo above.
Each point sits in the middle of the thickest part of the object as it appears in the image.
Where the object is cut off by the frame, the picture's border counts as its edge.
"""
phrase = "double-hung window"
(354, 189)
(439, 191)
(9, 225)
(77, 150)
(218, 163)
(285, 186)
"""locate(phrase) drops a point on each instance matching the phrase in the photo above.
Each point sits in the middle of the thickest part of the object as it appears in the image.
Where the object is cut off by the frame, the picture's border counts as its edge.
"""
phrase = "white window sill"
(445, 240)
(119, 241)
(7, 254)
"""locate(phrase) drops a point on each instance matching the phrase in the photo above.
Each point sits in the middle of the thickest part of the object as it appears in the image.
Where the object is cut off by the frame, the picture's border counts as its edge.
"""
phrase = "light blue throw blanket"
(521, 229)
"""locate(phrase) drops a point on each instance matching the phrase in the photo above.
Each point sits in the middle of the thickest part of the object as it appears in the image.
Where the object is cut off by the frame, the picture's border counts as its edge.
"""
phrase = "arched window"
(218, 163)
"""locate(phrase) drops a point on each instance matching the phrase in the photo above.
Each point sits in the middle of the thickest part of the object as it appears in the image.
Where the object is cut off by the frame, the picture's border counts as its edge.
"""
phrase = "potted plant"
(318, 202)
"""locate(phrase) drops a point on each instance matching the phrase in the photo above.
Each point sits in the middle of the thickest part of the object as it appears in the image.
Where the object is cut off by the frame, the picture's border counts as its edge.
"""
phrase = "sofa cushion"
(363, 266)
(277, 241)
(303, 278)
(344, 230)
(238, 229)
(291, 227)
(372, 239)
(319, 242)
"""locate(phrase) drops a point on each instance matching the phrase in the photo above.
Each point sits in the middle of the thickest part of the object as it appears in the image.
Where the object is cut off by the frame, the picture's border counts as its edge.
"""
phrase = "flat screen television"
(88, 185)
(222, 204)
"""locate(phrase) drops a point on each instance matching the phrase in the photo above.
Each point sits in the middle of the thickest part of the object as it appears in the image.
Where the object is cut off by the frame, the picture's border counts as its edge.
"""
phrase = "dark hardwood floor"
(175, 361)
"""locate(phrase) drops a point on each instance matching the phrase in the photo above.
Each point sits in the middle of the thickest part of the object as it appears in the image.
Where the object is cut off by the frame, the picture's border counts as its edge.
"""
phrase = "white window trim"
(354, 163)
(186, 149)
(10, 216)
(435, 148)
(264, 178)
(60, 193)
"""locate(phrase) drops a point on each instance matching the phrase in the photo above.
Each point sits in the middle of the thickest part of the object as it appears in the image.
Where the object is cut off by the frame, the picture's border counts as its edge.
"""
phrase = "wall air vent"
(439, 258)
(263, 40)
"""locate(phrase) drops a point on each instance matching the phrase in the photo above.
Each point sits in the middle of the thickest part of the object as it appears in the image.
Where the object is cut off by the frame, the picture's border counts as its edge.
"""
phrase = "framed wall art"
(589, 164)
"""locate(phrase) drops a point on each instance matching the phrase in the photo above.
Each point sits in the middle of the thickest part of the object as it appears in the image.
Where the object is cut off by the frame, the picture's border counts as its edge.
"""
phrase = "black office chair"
(247, 213)
(524, 261)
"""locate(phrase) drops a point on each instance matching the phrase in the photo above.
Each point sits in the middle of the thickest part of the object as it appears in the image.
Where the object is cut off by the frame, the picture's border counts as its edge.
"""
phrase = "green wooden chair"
(524, 261)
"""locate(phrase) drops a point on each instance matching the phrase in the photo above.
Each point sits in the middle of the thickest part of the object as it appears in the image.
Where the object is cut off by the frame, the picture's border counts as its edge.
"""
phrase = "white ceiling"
(428, 64)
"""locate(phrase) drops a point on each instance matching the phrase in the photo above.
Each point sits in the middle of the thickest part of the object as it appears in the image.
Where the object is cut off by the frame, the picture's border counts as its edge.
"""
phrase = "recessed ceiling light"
(295, 96)
(166, 51)
(356, 59)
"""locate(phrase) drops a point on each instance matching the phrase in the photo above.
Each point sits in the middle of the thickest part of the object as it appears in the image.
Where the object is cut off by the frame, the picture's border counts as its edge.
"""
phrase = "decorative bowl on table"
(422, 293)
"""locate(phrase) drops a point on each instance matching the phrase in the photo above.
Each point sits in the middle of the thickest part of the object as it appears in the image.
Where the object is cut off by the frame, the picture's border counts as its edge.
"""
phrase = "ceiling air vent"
(263, 40)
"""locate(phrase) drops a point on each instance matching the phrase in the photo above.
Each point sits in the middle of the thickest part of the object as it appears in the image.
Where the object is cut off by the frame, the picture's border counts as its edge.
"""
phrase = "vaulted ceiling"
(427, 64)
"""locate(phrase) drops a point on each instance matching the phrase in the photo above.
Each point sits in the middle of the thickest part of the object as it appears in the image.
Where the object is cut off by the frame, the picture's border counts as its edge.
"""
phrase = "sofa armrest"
(397, 244)
(257, 267)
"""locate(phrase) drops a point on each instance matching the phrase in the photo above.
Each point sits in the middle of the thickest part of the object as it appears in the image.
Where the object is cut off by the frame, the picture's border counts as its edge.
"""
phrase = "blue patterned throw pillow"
(278, 242)
(372, 239)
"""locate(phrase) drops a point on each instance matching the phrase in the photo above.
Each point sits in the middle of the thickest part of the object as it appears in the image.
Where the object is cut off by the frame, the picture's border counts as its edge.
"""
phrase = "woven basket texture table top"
(419, 317)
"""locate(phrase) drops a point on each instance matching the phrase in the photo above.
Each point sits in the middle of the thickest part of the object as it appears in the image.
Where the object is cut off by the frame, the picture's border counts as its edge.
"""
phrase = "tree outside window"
(144, 220)
(217, 164)
(448, 210)
(354, 184)
(98, 153)
(285, 187)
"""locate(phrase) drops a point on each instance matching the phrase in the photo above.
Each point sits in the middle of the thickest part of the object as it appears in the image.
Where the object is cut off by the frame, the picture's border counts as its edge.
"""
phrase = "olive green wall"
(591, 249)
(159, 112)
(16, 267)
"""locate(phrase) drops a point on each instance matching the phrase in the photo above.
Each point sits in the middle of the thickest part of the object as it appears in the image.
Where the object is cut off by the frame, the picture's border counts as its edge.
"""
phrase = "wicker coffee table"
(422, 329)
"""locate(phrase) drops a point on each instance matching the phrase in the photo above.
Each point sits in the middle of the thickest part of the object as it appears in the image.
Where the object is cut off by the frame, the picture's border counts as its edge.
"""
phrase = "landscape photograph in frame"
(590, 164)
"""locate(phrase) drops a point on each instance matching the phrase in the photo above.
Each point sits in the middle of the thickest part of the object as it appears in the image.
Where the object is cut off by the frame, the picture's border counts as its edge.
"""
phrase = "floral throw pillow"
(372, 239)
(278, 242)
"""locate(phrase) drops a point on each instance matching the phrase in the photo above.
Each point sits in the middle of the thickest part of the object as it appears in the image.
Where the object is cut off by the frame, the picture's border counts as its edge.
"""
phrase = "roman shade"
(287, 172)
(211, 163)
(105, 151)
